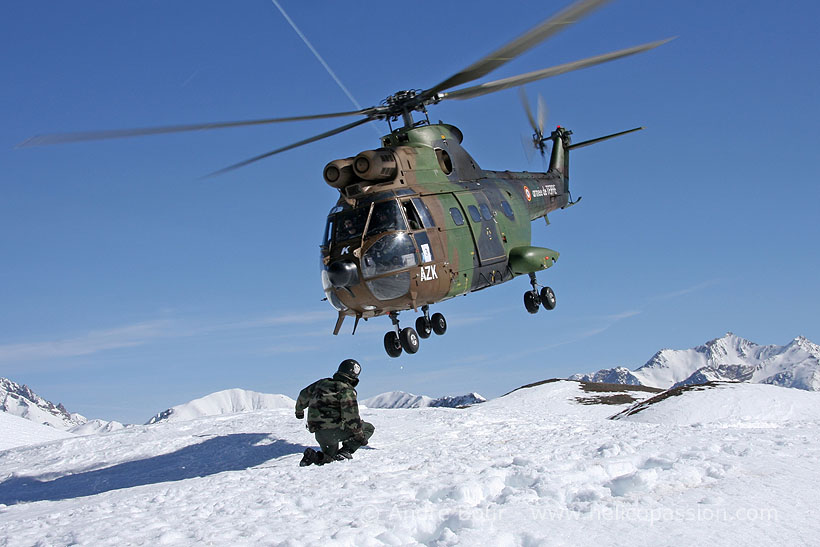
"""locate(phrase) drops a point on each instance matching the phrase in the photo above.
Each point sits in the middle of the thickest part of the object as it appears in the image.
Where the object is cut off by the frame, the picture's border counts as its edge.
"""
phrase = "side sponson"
(527, 259)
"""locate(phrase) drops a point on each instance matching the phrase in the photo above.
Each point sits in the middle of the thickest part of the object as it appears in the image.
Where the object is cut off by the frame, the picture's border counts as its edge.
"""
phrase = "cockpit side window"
(328, 231)
(386, 218)
(413, 219)
(424, 213)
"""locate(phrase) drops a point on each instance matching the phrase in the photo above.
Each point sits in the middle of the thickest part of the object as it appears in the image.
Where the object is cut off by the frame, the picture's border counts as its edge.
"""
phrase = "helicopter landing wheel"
(548, 298)
(424, 327)
(439, 324)
(391, 344)
(532, 301)
(409, 340)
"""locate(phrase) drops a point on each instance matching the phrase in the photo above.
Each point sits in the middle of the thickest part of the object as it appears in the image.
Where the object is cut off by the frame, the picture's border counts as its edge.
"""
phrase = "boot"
(310, 457)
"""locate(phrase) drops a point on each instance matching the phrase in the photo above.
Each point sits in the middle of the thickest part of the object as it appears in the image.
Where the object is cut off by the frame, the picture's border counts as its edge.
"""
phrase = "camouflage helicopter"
(417, 220)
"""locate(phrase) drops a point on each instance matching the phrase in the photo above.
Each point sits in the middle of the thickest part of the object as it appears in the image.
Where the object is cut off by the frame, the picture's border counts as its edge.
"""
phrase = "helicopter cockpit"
(388, 247)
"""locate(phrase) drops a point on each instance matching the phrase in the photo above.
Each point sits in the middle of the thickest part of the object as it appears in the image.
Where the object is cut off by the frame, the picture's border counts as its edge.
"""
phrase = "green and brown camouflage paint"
(482, 251)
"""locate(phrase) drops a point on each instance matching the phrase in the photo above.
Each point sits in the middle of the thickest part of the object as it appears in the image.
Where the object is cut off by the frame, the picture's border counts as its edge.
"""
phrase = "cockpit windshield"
(351, 223)
(386, 218)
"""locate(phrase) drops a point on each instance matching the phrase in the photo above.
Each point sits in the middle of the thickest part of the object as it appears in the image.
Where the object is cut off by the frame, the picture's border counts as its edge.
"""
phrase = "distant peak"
(730, 336)
(807, 345)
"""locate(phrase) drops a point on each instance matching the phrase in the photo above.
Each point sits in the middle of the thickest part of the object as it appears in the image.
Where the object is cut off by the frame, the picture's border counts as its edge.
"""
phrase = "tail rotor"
(537, 123)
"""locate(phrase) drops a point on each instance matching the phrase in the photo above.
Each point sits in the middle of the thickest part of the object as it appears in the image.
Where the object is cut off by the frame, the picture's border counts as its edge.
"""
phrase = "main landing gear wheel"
(439, 323)
(391, 344)
(424, 327)
(548, 298)
(409, 340)
(532, 301)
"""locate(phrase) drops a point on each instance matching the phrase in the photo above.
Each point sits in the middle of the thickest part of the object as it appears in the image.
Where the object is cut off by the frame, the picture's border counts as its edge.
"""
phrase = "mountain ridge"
(19, 400)
(402, 399)
(728, 358)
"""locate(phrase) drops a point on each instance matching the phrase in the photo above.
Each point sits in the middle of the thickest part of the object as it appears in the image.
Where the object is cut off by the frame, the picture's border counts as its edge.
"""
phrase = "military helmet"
(350, 367)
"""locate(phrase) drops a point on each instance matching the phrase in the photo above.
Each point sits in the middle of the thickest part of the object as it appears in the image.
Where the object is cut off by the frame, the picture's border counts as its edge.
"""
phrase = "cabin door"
(483, 225)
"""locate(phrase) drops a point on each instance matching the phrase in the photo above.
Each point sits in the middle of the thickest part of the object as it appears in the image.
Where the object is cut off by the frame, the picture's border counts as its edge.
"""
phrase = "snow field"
(18, 431)
(532, 468)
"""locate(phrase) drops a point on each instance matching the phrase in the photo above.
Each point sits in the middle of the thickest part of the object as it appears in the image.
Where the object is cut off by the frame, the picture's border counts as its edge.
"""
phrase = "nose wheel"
(407, 339)
(533, 300)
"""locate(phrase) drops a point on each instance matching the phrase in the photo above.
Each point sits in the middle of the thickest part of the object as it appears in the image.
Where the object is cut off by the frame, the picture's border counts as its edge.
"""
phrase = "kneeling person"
(333, 415)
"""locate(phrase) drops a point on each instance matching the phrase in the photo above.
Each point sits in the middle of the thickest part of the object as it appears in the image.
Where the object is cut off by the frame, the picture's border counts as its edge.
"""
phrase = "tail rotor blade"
(536, 127)
(542, 114)
(529, 149)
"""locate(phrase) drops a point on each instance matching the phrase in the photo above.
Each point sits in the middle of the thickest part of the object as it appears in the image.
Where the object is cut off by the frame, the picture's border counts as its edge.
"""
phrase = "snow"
(18, 431)
(732, 405)
(228, 401)
(96, 427)
(536, 467)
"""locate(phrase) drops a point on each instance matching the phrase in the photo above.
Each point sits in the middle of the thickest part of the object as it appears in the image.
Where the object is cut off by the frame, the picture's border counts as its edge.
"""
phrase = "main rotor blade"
(551, 26)
(521, 79)
(292, 146)
(59, 138)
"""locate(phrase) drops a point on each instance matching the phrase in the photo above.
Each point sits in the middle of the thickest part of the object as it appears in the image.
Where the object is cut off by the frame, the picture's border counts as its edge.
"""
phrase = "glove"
(360, 438)
(300, 415)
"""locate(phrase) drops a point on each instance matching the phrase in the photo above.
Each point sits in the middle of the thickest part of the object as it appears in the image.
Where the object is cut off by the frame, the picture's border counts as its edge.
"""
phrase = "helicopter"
(417, 220)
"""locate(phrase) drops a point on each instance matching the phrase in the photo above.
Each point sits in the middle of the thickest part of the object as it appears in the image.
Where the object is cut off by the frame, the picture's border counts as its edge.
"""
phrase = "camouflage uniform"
(333, 414)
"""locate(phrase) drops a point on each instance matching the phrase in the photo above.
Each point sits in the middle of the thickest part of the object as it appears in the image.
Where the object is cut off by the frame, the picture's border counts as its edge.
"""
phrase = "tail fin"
(559, 157)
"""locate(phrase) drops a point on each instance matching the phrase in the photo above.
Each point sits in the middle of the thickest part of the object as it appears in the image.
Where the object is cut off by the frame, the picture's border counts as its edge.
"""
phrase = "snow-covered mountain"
(729, 358)
(20, 400)
(229, 401)
(401, 399)
(540, 465)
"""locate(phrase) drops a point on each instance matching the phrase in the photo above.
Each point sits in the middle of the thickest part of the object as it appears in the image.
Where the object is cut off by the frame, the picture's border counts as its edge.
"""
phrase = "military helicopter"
(418, 221)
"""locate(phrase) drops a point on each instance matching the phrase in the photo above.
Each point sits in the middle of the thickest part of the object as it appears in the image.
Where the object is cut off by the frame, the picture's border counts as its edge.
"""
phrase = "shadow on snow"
(226, 453)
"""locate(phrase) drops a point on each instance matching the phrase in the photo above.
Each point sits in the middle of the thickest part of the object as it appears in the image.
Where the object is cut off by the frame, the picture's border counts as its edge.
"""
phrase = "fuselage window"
(456, 214)
(474, 214)
(507, 210)
(485, 212)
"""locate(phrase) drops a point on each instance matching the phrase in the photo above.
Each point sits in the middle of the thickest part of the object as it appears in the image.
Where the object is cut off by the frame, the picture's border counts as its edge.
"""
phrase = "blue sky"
(128, 284)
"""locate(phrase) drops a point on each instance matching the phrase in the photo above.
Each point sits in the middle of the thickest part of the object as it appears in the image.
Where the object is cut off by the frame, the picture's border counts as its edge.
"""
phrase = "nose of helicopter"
(342, 273)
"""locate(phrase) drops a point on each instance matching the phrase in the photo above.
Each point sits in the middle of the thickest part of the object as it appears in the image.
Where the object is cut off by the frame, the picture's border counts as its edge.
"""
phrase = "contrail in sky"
(319, 57)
